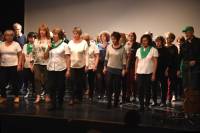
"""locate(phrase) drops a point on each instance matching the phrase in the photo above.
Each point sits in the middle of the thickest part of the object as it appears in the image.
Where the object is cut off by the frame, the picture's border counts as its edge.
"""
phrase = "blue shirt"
(20, 39)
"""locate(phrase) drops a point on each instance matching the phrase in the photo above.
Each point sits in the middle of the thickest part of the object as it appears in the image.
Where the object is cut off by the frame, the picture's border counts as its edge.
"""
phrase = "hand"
(19, 68)
(86, 68)
(32, 67)
(178, 73)
(192, 63)
(123, 72)
(104, 71)
(153, 77)
(67, 74)
(126, 70)
(166, 73)
(135, 76)
(94, 68)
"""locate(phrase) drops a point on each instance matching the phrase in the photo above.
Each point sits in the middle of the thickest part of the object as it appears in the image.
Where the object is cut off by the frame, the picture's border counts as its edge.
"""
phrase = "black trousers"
(21, 79)
(9, 75)
(100, 80)
(144, 88)
(91, 82)
(114, 86)
(56, 86)
(172, 77)
(160, 85)
(28, 78)
(78, 83)
(124, 88)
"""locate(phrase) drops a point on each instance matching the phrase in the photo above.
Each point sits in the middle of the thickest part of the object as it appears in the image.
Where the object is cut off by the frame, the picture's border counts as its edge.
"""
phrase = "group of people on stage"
(112, 65)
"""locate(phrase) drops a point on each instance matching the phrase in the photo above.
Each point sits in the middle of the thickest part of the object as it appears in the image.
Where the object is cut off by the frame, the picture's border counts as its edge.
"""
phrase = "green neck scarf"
(53, 45)
(29, 48)
(144, 52)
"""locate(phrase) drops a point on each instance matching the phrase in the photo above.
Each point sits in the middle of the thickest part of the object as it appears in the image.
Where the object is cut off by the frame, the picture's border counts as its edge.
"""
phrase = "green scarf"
(53, 45)
(29, 48)
(143, 52)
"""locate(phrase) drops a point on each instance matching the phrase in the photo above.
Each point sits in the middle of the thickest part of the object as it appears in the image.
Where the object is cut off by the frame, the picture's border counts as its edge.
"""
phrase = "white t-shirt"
(39, 49)
(145, 65)
(57, 60)
(8, 54)
(28, 57)
(78, 53)
(92, 51)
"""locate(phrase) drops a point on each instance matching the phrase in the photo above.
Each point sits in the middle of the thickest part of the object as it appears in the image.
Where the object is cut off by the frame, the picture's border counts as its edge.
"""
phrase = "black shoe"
(53, 108)
(60, 107)
(141, 108)
(90, 100)
(134, 100)
(116, 105)
(109, 106)
(163, 105)
(147, 108)
(154, 104)
(169, 104)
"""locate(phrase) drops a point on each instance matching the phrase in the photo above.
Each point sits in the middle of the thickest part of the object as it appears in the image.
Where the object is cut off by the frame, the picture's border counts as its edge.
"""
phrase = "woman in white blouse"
(40, 70)
(145, 69)
(10, 61)
(56, 67)
(93, 59)
(76, 63)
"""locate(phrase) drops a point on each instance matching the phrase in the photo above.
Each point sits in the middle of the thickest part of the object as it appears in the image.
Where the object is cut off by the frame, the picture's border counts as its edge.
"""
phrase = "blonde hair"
(58, 31)
(78, 30)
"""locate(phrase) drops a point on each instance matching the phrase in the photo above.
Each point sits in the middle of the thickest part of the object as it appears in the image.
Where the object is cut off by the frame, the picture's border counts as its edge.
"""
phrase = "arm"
(68, 63)
(19, 65)
(155, 63)
(23, 59)
(96, 61)
(124, 61)
(106, 61)
(86, 58)
(136, 65)
(46, 54)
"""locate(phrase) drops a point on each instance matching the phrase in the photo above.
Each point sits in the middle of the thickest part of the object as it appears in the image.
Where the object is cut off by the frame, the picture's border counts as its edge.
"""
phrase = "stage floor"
(169, 117)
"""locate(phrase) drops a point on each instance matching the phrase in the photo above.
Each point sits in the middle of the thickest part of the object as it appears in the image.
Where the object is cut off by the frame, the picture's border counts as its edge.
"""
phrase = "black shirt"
(162, 60)
(133, 51)
(190, 50)
(173, 59)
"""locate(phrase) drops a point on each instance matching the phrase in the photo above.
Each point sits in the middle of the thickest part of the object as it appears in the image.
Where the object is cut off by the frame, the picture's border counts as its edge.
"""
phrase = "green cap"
(188, 29)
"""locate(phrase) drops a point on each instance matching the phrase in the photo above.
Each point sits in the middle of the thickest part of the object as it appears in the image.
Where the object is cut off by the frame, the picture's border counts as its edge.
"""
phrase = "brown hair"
(45, 28)
(162, 39)
(134, 35)
(171, 35)
(105, 34)
(7, 32)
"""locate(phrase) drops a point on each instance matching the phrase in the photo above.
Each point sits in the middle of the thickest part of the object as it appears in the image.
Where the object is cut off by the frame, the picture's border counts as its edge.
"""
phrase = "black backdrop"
(11, 11)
